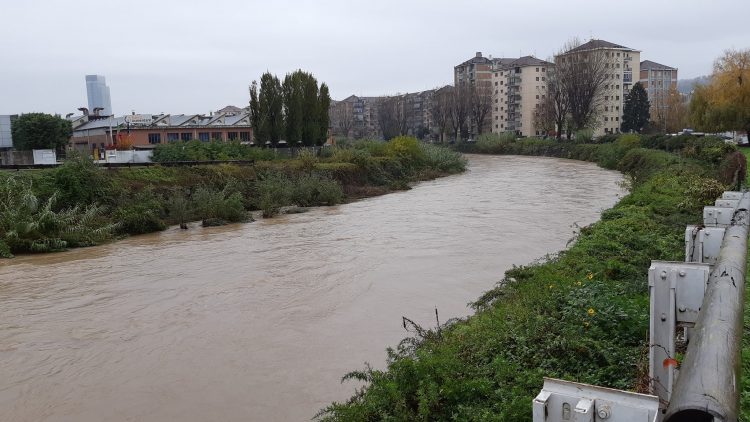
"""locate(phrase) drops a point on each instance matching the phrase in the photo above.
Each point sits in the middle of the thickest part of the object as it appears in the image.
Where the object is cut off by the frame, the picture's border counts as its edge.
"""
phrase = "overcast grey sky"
(196, 56)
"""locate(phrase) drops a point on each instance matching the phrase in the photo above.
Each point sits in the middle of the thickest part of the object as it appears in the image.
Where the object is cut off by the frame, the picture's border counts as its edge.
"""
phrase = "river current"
(259, 321)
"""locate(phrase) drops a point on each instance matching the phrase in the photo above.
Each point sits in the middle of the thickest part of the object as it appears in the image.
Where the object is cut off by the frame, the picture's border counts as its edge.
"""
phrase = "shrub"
(311, 190)
(443, 159)
(28, 224)
(274, 191)
(584, 136)
(215, 207)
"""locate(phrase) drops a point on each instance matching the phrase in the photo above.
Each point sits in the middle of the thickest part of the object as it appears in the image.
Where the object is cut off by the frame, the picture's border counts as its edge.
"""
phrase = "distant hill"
(685, 86)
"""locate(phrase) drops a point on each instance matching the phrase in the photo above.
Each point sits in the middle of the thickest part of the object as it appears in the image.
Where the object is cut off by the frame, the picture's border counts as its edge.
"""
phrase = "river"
(259, 321)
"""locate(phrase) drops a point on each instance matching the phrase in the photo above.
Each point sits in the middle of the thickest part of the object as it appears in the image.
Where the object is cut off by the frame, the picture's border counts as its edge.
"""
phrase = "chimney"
(479, 54)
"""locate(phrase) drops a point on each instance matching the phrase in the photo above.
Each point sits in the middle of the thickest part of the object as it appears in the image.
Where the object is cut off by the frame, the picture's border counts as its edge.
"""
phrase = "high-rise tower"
(97, 92)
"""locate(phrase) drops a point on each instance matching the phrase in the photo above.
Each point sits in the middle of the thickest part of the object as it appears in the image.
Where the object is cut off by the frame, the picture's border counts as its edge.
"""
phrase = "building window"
(537, 69)
(606, 108)
(216, 136)
(495, 81)
(617, 108)
(537, 78)
(618, 97)
(154, 138)
(542, 77)
(173, 136)
(606, 98)
(537, 97)
(606, 119)
(204, 136)
(543, 69)
(617, 119)
(186, 136)
(245, 136)
(231, 136)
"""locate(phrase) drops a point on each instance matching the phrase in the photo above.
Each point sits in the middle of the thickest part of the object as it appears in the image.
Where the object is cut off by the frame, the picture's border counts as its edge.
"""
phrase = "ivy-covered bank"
(80, 204)
(582, 315)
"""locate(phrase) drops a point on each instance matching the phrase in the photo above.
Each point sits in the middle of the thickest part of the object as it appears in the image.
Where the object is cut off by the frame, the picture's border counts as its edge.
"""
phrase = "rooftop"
(598, 44)
(649, 65)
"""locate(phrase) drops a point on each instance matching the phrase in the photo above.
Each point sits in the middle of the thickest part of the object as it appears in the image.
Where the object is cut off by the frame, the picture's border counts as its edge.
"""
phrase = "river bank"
(581, 315)
(78, 204)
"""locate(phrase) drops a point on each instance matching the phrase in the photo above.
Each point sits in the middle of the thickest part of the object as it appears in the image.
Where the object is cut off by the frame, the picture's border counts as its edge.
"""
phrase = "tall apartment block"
(518, 86)
(622, 68)
(658, 79)
(97, 92)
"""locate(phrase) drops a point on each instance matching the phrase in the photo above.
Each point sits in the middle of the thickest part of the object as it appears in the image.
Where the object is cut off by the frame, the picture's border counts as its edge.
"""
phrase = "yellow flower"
(592, 312)
(578, 283)
(551, 286)
(590, 276)
(585, 323)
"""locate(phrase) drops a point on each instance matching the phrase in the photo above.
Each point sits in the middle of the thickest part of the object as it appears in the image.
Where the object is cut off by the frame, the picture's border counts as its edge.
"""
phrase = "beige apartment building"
(622, 66)
(658, 79)
(518, 86)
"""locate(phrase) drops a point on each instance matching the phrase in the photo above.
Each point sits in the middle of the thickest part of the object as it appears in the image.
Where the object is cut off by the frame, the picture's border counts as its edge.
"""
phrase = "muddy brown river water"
(258, 322)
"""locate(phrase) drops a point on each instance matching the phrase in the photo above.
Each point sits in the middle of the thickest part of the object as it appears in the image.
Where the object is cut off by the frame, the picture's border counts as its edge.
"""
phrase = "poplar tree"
(270, 109)
(324, 121)
(254, 110)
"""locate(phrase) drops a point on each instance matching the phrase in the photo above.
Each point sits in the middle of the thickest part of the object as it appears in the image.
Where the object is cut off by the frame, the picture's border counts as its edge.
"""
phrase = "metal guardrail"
(702, 297)
(708, 385)
(120, 165)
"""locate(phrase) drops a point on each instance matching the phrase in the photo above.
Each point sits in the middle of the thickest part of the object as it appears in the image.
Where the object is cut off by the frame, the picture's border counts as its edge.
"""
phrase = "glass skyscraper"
(98, 94)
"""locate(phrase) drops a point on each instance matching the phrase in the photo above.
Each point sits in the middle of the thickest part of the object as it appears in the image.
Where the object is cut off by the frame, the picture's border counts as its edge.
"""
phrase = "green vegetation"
(80, 204)
(40, 131)
(580, 315)
(635, 113)
(208, 151)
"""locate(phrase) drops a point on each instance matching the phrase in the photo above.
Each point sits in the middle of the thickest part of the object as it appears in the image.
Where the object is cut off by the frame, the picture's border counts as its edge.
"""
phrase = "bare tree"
(440, 106)
(582, 74)
(393, 117)
(480, 105)
(460, 104)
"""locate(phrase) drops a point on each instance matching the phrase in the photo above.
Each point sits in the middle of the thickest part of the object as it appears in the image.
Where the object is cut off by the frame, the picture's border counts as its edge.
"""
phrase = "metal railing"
(708, 385)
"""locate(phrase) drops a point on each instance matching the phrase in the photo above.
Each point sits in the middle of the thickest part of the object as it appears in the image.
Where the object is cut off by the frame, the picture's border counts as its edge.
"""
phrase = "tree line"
(295, 110)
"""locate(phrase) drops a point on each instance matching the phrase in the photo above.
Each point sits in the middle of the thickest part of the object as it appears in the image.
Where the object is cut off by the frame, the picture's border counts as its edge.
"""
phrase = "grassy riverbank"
(581, 315)
(80, 204)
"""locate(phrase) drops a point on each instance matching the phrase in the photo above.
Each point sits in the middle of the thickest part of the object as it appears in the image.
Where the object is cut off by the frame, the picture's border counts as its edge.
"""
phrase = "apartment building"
(518, 86)
(658, 79)
(358, 117)
(622, 66)
(478, 70)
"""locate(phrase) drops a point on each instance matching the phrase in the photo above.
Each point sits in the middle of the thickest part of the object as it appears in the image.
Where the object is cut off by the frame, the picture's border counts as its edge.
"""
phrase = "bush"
(215, 207)
(311, 190)
(443, 159)
(584, 136)
(274, 191)
(28, 224)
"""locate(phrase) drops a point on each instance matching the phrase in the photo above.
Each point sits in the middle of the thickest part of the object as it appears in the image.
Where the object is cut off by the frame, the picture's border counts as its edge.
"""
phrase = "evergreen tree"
(270, 100)
(310, 126)
(636, 109)
(255, 111)
(324, 121)
(293, 111)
